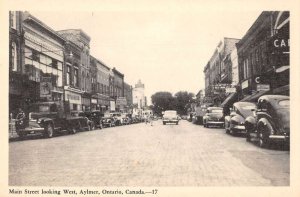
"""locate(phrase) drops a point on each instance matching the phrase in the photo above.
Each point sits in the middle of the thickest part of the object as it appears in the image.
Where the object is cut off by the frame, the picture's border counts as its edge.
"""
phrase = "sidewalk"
(12, 134)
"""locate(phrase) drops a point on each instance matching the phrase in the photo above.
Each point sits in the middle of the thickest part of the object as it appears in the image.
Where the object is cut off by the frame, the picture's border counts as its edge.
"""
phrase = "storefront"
(103, 102)
(74, 97)
(86, 102)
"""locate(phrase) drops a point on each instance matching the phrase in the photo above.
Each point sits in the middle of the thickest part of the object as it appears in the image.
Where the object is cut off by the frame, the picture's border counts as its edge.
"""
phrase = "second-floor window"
(76, 77)
(14, 56)
(68, 75)
(246, 69)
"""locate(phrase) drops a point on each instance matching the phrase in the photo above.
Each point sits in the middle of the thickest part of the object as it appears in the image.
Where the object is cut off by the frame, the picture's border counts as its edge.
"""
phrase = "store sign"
(245, 84)
(45, 87)
(94, 101)
(263, 87)
(280, 43)
(121, 101)
(112, 106)
(230, 90)
(73, 98)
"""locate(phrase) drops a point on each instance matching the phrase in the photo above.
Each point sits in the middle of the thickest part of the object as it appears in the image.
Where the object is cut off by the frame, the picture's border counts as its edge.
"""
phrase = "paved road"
(144, 155)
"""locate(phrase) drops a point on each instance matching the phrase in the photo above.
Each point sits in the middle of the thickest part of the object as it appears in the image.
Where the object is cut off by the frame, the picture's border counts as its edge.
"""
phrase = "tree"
(162, 101)
(166, 101)
(183, 98)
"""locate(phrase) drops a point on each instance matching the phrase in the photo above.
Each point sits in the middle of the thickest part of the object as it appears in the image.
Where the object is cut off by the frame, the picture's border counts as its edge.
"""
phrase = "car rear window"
(284, 103)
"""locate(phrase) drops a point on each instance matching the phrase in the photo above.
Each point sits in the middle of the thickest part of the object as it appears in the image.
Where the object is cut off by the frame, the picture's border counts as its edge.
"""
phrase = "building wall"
(128, 93)
(138, 95)
(257, 58)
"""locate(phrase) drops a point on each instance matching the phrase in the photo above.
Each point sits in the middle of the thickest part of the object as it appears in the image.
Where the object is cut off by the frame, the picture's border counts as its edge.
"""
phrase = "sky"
(167, 48)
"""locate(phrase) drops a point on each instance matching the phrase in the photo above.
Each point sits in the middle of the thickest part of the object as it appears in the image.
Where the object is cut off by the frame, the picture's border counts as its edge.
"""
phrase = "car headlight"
(39, 121)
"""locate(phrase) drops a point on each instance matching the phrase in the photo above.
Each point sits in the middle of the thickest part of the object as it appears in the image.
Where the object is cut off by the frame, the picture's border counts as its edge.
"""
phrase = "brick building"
(218, 71)
(82, 41)
(263, 55)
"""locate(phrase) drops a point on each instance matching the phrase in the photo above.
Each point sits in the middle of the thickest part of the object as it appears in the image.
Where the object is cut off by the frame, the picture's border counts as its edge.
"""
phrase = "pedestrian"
(151, 120)
(20, 118)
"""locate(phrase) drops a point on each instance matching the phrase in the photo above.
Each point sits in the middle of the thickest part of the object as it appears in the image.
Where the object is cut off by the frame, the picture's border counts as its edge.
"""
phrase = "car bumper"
(240, 128)
(214, 122)
(279, 137)
(170, 121)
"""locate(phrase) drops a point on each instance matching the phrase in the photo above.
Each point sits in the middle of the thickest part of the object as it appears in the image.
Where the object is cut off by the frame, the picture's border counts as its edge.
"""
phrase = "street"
(144, 155)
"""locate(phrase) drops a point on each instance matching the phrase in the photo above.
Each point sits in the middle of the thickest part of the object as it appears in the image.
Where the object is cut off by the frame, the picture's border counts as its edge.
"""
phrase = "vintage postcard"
(150, 98)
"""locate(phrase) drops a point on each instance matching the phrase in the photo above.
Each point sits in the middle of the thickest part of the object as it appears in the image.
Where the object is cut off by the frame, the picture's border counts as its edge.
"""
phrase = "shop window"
(74, 107)
(54, 63)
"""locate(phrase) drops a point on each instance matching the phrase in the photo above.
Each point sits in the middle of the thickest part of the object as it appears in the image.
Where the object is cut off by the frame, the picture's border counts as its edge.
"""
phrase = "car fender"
(237, 118)
(266, 123)
(45, 121)
(250, 124)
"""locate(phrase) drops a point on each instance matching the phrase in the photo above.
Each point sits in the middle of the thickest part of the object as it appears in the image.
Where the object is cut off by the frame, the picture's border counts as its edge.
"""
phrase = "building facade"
(218, 72)
(47, 65)
(138, 95)
(36, 61)
(263, 57)
(82, 40)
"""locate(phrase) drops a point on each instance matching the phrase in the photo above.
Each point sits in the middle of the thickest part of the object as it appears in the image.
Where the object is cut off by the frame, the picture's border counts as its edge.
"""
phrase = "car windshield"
(170, 113)
(44, 108)
(216, 111)
(284, 103)
(248, 107)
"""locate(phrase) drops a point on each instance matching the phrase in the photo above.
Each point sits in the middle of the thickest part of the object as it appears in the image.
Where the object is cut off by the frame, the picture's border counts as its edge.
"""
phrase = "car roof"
(243, 103)
(273, 99)
(210, 108)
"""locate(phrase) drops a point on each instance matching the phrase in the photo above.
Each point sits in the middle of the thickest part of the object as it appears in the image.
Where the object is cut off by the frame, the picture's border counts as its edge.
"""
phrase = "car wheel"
(262, 132)
(49, 131)
(231, 132)
(164, 123)
(248, 136)
(73, 130)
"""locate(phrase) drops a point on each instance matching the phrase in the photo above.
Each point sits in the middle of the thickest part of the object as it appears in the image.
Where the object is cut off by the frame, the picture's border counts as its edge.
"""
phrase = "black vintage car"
(235, 122)
(214, 117)
(271, 121)
(96, 118)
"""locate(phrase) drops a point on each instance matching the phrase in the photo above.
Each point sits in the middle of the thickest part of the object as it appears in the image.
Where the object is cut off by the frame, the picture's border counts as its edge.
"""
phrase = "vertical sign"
(112, 106)
(45, 87)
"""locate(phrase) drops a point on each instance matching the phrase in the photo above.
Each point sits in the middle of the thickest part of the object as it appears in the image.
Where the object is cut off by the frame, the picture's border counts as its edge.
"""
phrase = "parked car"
(213, 117)
(118, 117)
(109, 121)
(95, 116)
(271, 121)
(235, 122)
(85, 123)
(170, 116)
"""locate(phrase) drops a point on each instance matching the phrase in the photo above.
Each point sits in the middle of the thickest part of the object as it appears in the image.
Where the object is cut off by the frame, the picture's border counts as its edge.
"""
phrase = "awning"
(230, 99)
(254, 97)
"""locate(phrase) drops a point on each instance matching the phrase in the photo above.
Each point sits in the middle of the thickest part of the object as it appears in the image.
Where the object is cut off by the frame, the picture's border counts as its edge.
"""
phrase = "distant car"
(235, 122)
(118, 117)
(213, 117)
(170, 116)
(271, 121)
(108, 121)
